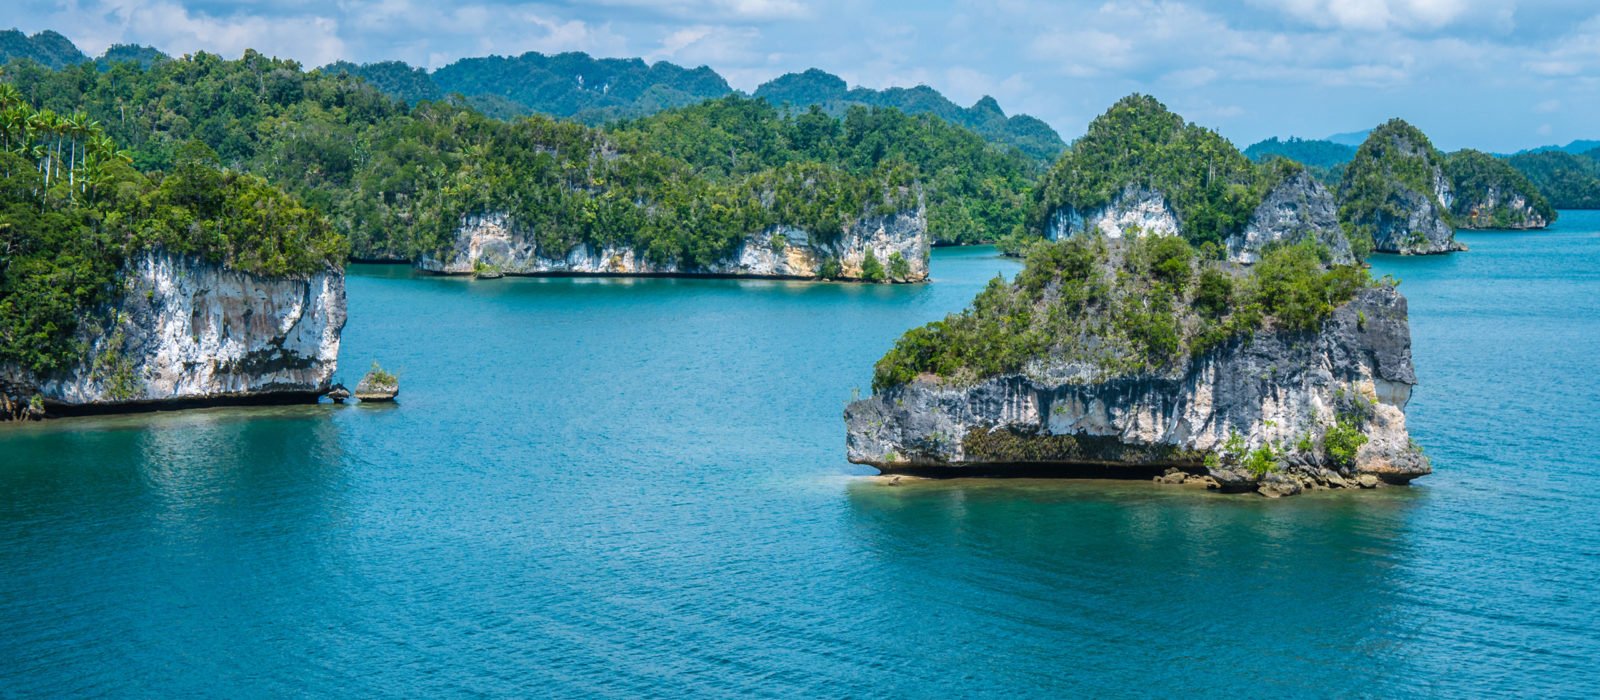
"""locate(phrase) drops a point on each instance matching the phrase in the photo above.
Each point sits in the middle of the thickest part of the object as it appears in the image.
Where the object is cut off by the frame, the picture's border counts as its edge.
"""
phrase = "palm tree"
(10, 96)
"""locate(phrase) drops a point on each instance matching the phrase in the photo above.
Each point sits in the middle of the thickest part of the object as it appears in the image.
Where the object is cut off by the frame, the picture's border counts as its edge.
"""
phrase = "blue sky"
(1489, 75)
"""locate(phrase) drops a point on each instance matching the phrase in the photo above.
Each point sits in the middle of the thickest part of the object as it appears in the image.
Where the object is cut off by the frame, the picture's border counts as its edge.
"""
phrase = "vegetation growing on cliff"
(1211, 186)
(1395, 157)
(1474, 175)
(397, 180)
(1120, 307)
(975, 191)
(72, 210)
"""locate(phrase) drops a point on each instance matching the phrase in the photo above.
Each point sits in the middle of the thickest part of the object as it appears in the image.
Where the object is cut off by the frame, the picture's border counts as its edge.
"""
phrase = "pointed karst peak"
(988, 105)
(1399, 131)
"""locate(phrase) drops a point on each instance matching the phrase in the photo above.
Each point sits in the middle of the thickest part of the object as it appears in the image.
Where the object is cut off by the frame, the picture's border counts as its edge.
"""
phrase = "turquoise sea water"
(637, 488)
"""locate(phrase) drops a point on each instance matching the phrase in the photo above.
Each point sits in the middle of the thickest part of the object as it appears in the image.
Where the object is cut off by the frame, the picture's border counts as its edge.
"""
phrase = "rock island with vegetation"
(1124, 349)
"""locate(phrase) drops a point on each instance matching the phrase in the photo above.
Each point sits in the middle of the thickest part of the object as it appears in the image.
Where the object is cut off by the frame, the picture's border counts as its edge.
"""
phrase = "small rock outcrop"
(1298, 208)
(1136, 208)
(377, 386)
(1490, 194)
(1395, 193)
(891, 248)
(190, 332)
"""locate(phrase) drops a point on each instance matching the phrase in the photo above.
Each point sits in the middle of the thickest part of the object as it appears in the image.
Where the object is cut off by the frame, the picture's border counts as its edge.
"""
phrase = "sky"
(1497, 76)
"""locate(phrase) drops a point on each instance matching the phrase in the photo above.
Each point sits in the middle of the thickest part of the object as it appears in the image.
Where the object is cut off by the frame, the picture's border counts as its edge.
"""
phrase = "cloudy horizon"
(1493, 76)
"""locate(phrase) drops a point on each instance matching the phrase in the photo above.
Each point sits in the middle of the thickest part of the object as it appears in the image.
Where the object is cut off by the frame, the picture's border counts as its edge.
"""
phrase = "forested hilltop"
(1569, 181)
(398, 180)
(1491, 194)
(1208, 185)
(73, 210)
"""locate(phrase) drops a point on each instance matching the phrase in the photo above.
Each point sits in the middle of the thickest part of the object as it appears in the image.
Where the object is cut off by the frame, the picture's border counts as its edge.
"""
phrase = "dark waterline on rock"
(638, 488)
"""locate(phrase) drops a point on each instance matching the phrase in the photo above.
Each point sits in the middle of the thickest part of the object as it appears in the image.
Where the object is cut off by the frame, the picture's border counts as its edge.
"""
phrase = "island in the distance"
(1161, 340)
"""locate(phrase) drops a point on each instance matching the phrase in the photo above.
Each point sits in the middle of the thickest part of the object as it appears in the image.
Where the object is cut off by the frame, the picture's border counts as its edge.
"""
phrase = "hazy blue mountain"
(47, 48)
(1580, 146)
(1350, 138)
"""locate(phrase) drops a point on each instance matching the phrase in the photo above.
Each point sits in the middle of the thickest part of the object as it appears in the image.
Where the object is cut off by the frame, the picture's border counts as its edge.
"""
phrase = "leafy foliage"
(1120, 307)
(72, 210)
(976, 191)
(1212, 187)
(1568, 181)
(1343, 441)
(1474, 174)
(398, 181)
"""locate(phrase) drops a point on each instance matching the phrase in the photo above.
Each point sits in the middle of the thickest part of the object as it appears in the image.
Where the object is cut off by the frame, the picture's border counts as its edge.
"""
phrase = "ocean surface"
(637, 488)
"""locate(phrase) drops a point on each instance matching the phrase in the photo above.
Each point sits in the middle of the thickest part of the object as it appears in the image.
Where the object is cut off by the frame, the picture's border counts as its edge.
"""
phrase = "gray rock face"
(1278, 388)
(190, 332)
(494, 243)
(1135, 208)
(1420, 230)
(1498, 208)
(1298, 208)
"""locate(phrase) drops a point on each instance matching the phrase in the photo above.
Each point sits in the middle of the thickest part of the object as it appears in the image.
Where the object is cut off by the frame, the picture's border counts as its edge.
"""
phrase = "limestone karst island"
(799, 348)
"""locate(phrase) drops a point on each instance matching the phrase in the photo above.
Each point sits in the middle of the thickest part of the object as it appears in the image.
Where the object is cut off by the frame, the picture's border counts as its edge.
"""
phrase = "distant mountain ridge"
(1350, 138)
(593, 91)
(47, 48)
(1578, 147)
(817, 87)
(54, 51)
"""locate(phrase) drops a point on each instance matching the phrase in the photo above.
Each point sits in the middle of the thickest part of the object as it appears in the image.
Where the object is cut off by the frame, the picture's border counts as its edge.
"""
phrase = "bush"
(1262, 461)
(1343, 441)
(899, 268)
(871, 269)
(831, 269)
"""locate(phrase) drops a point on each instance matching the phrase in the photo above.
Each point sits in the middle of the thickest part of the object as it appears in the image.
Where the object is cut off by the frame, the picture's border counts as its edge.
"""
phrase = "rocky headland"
(187, 332)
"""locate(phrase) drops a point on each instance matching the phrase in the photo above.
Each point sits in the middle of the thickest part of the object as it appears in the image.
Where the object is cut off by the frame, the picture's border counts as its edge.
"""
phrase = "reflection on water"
(1182, 579)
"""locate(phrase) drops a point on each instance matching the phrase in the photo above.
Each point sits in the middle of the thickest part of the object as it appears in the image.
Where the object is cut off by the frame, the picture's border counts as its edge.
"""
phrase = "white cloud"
(720, 11)
(310, 39)
(1399, 15)
(709, 45)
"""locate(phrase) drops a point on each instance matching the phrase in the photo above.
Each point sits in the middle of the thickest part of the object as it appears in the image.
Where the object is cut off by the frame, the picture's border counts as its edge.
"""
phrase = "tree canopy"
(72, 210)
